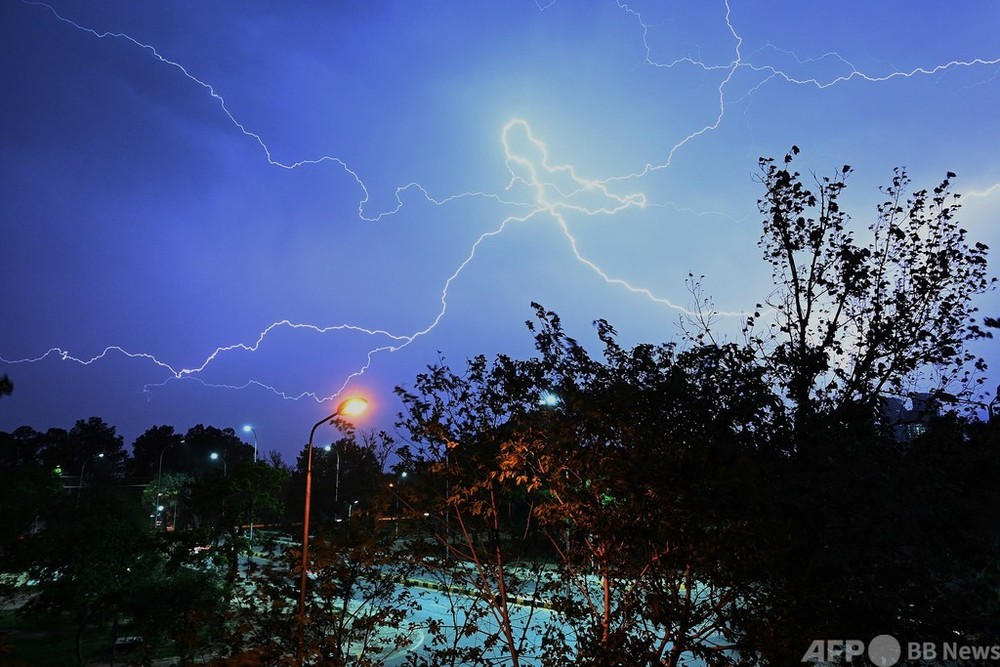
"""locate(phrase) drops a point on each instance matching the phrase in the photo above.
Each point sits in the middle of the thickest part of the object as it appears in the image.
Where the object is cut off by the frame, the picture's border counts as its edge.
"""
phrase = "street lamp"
(159, 477)
(225, 468)
(336, 484)
(82, 468)
(247, 428)
(250, 429)
(352, 407)
(399, 481)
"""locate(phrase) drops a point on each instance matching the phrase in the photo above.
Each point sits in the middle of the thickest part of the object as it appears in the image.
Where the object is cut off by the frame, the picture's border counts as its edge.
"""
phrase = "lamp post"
(247, 428)
(159, 477)
(336, 483)
(250, 429)
(395, 519)
(349, 408)
(82, 468)
(225, 468)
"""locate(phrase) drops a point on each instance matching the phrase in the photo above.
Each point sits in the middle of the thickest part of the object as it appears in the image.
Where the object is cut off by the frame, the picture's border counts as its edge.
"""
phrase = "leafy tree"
(853, 321)
(256, 492)
(178, 603)
(639, 483)
(224, 504)
(343, 472)
(456, 424)
(200, 442)
(98, 564)
(91, 448)
(23, 447)
(156, 445)
(28, 490)
(852, 536)
(355, 610)
(171, 493)
(864, 536)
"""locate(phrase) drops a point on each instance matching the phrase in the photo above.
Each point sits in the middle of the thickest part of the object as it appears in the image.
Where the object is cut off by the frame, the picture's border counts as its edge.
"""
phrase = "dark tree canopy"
(852, 320)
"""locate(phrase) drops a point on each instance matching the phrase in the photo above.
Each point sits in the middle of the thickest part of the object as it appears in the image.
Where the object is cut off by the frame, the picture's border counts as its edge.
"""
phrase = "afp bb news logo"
(886, 651)
(883, 651)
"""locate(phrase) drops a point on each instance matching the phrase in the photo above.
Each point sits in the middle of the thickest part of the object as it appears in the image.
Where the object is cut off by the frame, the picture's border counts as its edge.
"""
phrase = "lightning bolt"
(772, 72)
(559, 193)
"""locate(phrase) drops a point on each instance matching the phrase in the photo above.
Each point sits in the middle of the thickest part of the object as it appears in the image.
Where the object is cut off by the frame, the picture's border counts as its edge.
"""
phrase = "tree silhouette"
(852, 321)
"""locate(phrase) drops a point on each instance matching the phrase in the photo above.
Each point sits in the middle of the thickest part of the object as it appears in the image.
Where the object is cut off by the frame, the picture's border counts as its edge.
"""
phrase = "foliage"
(355, 610)
(28, 490)
(639, 484)
(98, 564)
(150, 452)
(865, 536)
(170, 493)
(853, 321)
(224, 505)
(343, 472)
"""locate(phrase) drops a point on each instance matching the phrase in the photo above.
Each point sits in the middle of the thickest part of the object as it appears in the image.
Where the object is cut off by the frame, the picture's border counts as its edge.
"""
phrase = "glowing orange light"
(352, 407)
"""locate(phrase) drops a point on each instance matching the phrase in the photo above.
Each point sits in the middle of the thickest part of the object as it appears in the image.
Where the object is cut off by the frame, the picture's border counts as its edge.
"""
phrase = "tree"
(224, 504)
(456, 425)
(91, 448)
(170, 492)
(179, 603)
(343, 472)
(200, 442)
(28, 490)
(852, 538)
(853, 321)
(98, 564)
(639, 483)
(154, 445)
(355, 609)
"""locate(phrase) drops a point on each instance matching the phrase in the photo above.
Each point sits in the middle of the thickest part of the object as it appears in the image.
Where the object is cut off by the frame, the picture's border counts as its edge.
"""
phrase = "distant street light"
(352, 407)
(336, 484)
(79, 488)
(395, 520)
(159, 477)
(225, 468)
(250, 429)
(247, 428)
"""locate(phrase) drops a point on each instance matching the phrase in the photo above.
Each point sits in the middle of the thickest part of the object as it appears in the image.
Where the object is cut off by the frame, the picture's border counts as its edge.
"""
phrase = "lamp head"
(352, 407)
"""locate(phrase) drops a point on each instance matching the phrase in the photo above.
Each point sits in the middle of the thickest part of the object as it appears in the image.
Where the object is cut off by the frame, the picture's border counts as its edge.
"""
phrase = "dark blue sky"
(230, 213)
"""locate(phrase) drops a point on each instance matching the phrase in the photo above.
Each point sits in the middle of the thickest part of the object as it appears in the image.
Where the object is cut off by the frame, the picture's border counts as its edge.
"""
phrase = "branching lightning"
(561, 195)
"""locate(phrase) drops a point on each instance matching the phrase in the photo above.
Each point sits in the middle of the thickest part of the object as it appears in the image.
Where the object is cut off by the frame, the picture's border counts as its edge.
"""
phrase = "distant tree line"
(149, 542)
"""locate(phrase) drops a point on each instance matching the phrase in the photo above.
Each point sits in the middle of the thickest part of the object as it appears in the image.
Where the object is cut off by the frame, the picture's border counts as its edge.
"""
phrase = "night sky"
(231, 213)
